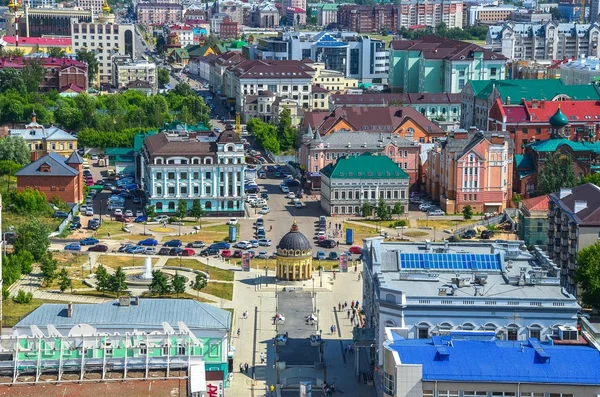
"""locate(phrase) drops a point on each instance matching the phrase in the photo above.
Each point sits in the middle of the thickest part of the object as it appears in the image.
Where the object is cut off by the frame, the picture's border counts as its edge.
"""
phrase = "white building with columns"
(186, 166)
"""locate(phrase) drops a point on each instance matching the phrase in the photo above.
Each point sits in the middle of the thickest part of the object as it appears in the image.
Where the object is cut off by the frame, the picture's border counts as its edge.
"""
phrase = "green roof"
(525, 165)
(138, 140)
(552, 145)
(118, 151)
(237, 44)
(558, 119)
(533, 89)
(365, 166)
(326, 6)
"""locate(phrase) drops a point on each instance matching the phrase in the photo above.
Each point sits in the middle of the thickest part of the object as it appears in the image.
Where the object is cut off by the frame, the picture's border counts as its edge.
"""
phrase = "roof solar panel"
(441, 261)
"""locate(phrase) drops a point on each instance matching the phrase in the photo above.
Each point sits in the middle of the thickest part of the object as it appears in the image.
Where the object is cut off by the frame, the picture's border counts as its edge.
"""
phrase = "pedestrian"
(239, 331)
(352, 304)
(108, 235)
(334, 274)
(348, 313)
(358, 276)
(272, 389)
(270, 227)
(345, 304)
(246, 367)
(355, 268)
(339, 306)
(262, 357)
(334, 328)
(337, 243)
(357, 304)
(241, 368)
(331, 329)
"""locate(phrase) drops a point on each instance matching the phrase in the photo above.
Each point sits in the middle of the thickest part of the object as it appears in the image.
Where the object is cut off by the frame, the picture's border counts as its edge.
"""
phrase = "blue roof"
(500, 361)
(57, 163)
(451, 261)
(150, 313)
(324, 39)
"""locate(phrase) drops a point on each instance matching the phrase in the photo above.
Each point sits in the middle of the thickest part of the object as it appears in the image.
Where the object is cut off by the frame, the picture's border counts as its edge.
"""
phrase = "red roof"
(539, 203)
(73, 87)
(578, 111)
(180, 27)
(17, 63)
(295, 9)
(41, 41)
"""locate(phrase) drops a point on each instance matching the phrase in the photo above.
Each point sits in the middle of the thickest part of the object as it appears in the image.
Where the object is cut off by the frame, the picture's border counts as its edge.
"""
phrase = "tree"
(163, 77)
(89, 58)
(286, 135)
(467, 212)
(23, 297)
(181, 209)
(102, 279)
(151, 211)
(48, 266)
(14, 148)
(398, 209)
(32, 236)
(381, 210)
(199, 282)
(160, 284)
(178, 284)
(556, 172)
(588, 275)
(516, 198)
(24, 259)
(555, 14)
(592, 178)
(64, 281)
(117, 282)
(56, 52)
(11, 270)
(196, 211)
(366, 210)
(28, 201)
(8, 168)
(10, 79)
(32, 75)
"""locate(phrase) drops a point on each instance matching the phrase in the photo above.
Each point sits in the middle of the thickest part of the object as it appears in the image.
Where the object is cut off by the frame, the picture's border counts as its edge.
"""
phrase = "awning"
(197, 378)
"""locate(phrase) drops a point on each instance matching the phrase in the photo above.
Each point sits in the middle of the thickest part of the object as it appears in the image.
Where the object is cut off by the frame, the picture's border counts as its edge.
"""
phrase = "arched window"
(445, 328)
(490, 327)
(468, 327)
(230, 204)
(392, 152)
(208, 160)
(158, 161)
(208, 205)
(230, 148)
(423, 330)
(390, 298)
(535, 331)
(171, 205)
(159, 206)
(196, 160)
(512, 331)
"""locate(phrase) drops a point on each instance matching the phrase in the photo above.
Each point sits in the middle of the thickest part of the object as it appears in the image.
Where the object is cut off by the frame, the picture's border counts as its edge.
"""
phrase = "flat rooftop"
(498, 270)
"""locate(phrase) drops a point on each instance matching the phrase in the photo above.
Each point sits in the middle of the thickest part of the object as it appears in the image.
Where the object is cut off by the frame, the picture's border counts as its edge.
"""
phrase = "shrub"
(23, 297)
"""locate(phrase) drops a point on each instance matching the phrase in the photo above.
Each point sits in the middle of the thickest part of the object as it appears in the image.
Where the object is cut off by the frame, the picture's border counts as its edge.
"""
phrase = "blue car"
(73, 247)
(321, 255)
(148, 242)
(89, 241)
(140, 219)
(173, 243)
(222, 245)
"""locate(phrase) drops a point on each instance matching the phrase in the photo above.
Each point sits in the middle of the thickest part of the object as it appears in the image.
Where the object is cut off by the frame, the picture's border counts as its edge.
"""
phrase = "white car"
(264, 210)
(129, 213)
(139, 213)
(251, 197)
(118, 211)
(298, 204)
(82, 209)
(232, 221)
(285, 189)
(89, 211)
(435, 213)
(259, 203)
(425, 206)
(161, 218)
(243, 245)
(291, 195)
(94, 157)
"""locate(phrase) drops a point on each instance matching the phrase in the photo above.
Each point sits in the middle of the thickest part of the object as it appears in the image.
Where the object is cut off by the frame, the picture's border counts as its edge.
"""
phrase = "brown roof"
(161, 145)
(435, 47)
(229, 135)
(269, 69)
(539, 203)
(316, 88)
(406, 99)
(590, 193)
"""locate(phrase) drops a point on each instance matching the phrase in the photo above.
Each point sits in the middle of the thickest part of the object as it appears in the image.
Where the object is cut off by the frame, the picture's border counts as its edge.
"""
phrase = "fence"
(67, 221)
(503, 217)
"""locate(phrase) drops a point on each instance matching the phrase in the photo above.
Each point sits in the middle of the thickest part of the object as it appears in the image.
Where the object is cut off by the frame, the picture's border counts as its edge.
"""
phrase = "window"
(540, 227)
(196, 190)
(503, 393)
(195, 175)
(535, 332)
(213, 349)
(316, 156)
(183, 190)
(159, 206)
(207, 175)
(388, 383)
(525, 131)
(474, 393)
(181, 350)
(183, 175)
(159, 190)
(171, 190)
(171, 205)
(159, 175)
(295, 88)
(423, 332)
(461, 84)
(447, 393)
(493, 71)
(530, 394)
(513, 333)
(538, 131)
(171, 175)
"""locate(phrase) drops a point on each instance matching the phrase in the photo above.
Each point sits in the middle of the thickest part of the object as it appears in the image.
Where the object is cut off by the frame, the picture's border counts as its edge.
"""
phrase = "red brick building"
(368, 19)
(61, 73)
(229, 29)
(54, 175)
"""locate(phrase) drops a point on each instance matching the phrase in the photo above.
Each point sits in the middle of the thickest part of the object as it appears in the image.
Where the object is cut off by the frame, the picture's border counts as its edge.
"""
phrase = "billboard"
(214, 388)
(344, 263)
(246, 261)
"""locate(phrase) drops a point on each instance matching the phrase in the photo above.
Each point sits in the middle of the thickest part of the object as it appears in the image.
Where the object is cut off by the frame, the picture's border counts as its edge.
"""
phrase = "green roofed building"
(478, 96)
(354, 180)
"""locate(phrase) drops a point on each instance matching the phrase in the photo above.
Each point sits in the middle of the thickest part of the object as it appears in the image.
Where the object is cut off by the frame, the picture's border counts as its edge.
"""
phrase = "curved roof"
(558, 119)
(294, 240)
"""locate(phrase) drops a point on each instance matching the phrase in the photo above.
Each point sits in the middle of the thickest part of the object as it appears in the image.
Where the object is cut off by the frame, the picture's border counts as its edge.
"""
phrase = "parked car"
(150, 251)
(99, 248)
(259, 222)
(188, 252)
(260, 234)
(435, 213)
(129, 213)
(232, 221)
(328, 244)
(196, 244)
(140, 219)
(355, 249)
(149, 242)
(320, 255)
(285, 189)
(298, 204)
(164, 251)
(139, 213)
(469, 234)
(262, 255)
(136, 200)
(176, 251)
(73, 247)
(60, 214)
(89, 211)
(226, 253)
(291, 195)
(237, 254)
(264, 242)
(333, 256)
(125, 247)
(243, 245)
(487, 234)
(264, 195)
(118, 211)
(173, 243)
(259, 203)
(425, 206)
(161, 218)
(93, 224)
(209, 251)
(221, 245)
(89, 241)
(75, 225)
(254, 243)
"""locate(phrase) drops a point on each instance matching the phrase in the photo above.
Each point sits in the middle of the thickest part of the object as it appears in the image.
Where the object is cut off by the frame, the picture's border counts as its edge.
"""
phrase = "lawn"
(440, 224)
(415, 233)
(73, 263)
(258, 263)
(209, 235)
(360, 231)
(123, 261)
(13, 312)
(147, 294)
(116, 232)
(215, 273)
(221, 290)
(10, 219)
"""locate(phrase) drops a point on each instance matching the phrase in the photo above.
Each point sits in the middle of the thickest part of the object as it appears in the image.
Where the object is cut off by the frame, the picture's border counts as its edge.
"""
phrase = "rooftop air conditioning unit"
(566, 332)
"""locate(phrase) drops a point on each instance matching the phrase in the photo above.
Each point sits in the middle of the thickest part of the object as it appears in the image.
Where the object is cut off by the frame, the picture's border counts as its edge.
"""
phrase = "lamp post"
(313, 293)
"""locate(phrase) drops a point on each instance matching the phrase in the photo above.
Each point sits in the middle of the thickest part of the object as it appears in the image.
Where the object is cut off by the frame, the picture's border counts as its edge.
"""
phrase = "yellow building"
(32, 45)
(331, 80)
(42, 141)
(294, 256)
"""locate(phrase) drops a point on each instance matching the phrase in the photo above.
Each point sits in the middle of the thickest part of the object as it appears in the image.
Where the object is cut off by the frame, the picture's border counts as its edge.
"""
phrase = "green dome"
(559, 119)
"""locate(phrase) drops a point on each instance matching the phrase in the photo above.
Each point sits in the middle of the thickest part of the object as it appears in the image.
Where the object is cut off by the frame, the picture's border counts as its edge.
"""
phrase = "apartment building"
(544, 41)
(489, 15)
(368, 19)
(229, 29)
(574, 224)
(331, 80)
(43, 22)
(285, 4)
(266, 15)
(327, 14)
(95, 6)
(125, 71)
(430, 13)
(233, 9)
(184, 32)
(158, 13)
(471, 168)
(59, 73)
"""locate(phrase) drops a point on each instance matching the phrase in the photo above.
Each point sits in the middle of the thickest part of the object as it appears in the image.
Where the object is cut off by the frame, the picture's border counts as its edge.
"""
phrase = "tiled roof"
(434, 47)
(574, 110)
(272, 69)
(464, 145)
(341, 140)
(588, 192)
(57, 163)
(406, 99)
(74, 158)
(18, 63)
(316, 88)
(160, 145)
(539, 203)
(39, 41)
(552, 145)
(71, 87)
(365, 166)
(36, 132)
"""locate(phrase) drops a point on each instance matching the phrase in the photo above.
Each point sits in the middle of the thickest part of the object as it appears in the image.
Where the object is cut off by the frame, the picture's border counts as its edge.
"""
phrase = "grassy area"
(215, 273)
(10, 219)
(181, 296)
(123, 261)
(386, 39)
(209, 235)
(443, 223)
(360, 231)
(415, 233)
(258, 263)
(73, 263)
(13, 312)
(221, 290)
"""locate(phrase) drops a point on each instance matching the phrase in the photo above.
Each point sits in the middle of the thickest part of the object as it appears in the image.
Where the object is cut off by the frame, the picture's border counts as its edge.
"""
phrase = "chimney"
(508, 100)
(497, 139)
(460, 134)
(70, 310)
(580, 205)
(136, 301)
(542, 103)
(124, 301)
(534, 104)
(564, 192)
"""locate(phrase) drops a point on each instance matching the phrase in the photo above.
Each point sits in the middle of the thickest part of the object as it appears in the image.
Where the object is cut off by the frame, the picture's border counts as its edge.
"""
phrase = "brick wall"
(69, 189)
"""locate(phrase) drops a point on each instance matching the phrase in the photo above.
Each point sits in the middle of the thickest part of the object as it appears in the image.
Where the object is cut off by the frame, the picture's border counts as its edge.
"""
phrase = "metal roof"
(57, 163)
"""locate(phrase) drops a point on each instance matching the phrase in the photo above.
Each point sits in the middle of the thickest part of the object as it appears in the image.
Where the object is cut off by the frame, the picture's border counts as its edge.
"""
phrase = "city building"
(531, 16)
(434, 65)
(353, 180)
(266, 15)
(301, 4)
(533, 220)
(331, 80)
(42, 140)
(55, 176)
(471, 168)
(531, 121)
(34, 45)
(228, 29)
(141, 335)
(181, 165)
(368, 18)
(125, 71)
(436, 107)
(295, 16)
(326, 14)
(267, 106)
(573, 224)
(584, 71)
(478, 97)
(432, 289)
(219, 66)
(42, 22)
(489, 15)
(105, 38)
(460, 365)
(401, 121)
(233, 9)
(59, 73)
(158, 13)
(430, 13)
(544, 41)
(95, 6)
(184, 32)
(294, 256)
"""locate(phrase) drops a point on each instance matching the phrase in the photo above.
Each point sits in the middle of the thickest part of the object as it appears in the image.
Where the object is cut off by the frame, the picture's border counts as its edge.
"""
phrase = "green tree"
(150, 211)
(48, 267)
(8, 168)
(28, 201)
(56, 52)
(15, 149)
(23, 297)
(11, 270)
(398, 209)
(117, 282)
(592, 178)
(555, 14)
(102, 279)
(89, 58)
(159, 284)
(182, 209)
(467, 212)
(196, 211)
(10, 79)
(588, 275)
(32, 236)
(382, 211)
(64, 281)
(516, 198)
(556, 172)
(163, 77)
(286, 135)
(24, 259)
(199, 282)
(32, 75)
(178, 284)
(366, 210)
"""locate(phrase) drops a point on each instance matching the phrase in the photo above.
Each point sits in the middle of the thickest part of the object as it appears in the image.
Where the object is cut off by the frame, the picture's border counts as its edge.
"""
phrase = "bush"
(23, 297)
(5, 293)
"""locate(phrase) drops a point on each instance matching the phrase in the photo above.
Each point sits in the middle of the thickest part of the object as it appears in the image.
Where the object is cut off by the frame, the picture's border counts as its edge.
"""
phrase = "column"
(235, 182)
(189, 182)
(226, 183)
(202, 183)
(165, 187)
(177, 194)
(215, 183)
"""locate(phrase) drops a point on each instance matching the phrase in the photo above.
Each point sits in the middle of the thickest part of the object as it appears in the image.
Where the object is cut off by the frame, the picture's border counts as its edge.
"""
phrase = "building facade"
(435, 65)
(42, 140)
(430, 13)
(327, 14)
(489, 15)
(266, 15)
(184, 32)
(40, 22)
(126, 71)
(95, 6)
(158, 13)
(59, 73)
(580, 71)
(294, 256)
(352, 181)
(533, 220)
(471, 168)
(181, 166)
(368, 19)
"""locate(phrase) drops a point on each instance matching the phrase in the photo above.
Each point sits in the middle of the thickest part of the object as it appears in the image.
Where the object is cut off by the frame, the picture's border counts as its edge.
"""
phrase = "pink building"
(471, 168)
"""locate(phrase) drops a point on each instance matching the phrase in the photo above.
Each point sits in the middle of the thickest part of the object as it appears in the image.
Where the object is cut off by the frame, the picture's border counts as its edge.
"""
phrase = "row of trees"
(467, 33)
(275, 138)
(381, 210)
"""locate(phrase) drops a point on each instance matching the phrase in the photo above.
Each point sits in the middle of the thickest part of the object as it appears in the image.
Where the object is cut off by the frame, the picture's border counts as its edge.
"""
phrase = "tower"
(558, 122)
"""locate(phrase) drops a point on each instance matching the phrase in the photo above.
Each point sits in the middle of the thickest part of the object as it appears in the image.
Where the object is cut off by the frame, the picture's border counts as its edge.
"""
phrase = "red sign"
(214, 388)
(246, 261)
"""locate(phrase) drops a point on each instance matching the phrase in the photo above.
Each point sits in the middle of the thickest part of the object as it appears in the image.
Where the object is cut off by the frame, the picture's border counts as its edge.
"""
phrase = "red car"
(226, 253)
(188, 252)
(355, 249)
(237, 254)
